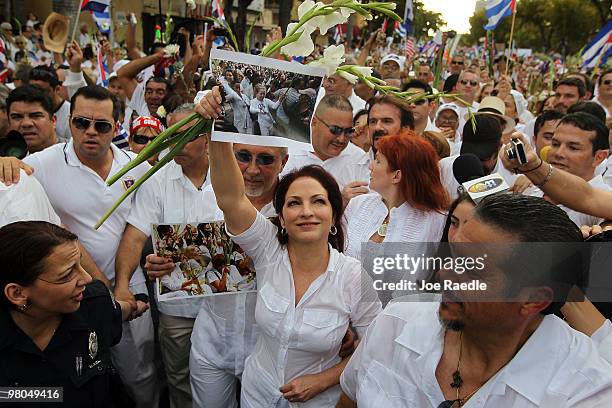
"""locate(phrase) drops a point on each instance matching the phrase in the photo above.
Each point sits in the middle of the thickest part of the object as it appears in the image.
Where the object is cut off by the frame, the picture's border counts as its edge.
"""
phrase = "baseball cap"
(6, 26)
(146, 122)
(484, 138)
(448, 106)
(392, 57)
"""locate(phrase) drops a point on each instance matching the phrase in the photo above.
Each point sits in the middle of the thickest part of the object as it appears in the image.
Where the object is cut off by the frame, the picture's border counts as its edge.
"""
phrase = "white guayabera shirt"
(295, 340)
(395, 366)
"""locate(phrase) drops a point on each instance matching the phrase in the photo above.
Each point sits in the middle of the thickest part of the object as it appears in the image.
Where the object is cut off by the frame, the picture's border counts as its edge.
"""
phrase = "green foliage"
(563, 26)
(424, 20)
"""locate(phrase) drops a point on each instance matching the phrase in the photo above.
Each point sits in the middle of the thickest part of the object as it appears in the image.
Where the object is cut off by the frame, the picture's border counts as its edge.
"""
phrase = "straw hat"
(492, 105)
(55, 32)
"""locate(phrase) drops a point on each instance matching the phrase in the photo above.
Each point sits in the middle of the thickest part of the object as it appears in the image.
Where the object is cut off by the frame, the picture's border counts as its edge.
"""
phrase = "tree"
(604, 10)
(425, 20)
(239, 27)
(284, 14)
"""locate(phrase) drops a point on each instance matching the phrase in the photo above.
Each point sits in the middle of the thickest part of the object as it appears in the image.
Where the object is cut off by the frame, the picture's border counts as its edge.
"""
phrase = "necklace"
(382, 230)
(458, 381)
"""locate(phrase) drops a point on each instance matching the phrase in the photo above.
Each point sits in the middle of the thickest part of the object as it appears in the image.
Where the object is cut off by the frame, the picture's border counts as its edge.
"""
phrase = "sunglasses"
(142, 140)
(261, 159)
(607, 82)
(337, 130)
(101, 126)
(457, 62)
(419, 102)
(464, 82)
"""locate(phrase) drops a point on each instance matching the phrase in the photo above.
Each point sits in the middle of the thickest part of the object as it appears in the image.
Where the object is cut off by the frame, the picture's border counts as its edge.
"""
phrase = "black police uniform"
(77, 358)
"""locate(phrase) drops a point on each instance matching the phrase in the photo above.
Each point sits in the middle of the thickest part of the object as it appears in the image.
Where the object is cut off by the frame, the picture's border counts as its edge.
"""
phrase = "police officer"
(56, 325)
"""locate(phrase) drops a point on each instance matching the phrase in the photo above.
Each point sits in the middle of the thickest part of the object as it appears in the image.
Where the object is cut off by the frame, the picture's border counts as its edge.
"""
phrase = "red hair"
(416, 158)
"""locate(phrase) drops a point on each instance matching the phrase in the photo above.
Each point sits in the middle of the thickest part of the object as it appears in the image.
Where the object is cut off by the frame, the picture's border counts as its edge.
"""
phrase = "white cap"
(392, 57)
(448, 106)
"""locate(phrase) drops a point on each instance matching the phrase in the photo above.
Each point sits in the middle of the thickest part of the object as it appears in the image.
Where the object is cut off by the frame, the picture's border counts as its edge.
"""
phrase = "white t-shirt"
(81, 197)
(350, 165)
(137, 102)
(62, 123)
(395, 366)
(295, 340)
(25, 201)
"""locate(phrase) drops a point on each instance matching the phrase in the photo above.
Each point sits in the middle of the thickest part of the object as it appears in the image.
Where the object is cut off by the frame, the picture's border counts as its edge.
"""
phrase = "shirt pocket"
(320, 330)
(270, 310)
(381, 387)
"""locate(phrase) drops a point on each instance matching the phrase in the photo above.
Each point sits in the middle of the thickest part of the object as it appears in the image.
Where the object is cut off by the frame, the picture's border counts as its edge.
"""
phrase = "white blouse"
(295, 340)
(365, 213)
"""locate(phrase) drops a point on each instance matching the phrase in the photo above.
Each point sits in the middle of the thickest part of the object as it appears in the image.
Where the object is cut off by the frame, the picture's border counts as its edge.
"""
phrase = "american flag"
(409, 49)
(217, 10)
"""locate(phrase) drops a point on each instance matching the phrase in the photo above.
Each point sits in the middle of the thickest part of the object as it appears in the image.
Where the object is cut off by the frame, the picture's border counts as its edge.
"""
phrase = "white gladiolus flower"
(171, 50)
(304, 45)
(348, 76)
(161, 111)
(333, 56)
(191, 4)
(365, 71)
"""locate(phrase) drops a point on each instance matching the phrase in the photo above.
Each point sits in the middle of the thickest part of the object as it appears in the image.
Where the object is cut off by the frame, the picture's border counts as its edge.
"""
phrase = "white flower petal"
(330, 21)
(349, 77)
(365, 71)
(190, 4)
(171, 50)
(302, 47)
(307, 5)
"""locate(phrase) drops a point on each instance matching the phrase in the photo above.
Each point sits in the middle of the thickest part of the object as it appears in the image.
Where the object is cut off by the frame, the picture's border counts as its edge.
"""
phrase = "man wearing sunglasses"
(605, 92)
(144, 130)
(457, 64)
(74, 177)
(331, 130)
(468, 86)
(498, 347)
(422, 108)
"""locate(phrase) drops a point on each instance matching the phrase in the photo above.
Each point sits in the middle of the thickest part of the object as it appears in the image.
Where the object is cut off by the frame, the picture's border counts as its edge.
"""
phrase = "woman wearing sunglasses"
(56, 325)
(144, 129)
(308, 291)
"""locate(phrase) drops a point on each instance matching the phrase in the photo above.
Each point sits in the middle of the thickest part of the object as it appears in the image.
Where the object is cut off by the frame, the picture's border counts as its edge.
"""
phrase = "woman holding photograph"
(308, 291)
(263, 107)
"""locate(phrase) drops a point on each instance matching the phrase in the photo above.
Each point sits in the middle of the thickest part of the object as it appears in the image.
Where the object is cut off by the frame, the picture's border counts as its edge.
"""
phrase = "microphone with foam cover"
(467, 167)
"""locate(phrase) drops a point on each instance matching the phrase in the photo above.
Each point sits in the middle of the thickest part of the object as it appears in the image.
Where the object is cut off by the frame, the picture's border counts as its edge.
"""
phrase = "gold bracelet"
(551, 170)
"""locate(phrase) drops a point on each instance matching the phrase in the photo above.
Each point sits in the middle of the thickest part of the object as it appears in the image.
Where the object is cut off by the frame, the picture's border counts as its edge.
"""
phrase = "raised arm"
(130, 40)
(564, 188)
(225, 174)
(127, 73)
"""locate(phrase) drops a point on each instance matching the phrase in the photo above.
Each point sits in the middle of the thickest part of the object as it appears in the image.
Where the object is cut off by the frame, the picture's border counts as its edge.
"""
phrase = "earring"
(283, 231)
(333, 230)
(23, 307)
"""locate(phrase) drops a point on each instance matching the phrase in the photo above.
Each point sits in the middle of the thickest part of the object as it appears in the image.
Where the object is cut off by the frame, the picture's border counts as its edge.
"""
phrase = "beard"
(450, 324)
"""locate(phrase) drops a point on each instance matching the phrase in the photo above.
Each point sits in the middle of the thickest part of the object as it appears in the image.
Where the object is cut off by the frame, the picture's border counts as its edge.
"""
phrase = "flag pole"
(76, 22)
(511, 35)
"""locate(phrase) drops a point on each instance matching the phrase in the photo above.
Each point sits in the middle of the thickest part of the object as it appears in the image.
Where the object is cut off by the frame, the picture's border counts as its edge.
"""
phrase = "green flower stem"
(229, 30)
(186, 138)
(148, 151)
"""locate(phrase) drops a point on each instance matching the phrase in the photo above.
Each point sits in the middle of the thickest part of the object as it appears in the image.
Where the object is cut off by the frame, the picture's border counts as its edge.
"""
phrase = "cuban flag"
(599, 50)
(121, 137)
(103, 20)
(497, 10)
(102, 70)
(400, 29)
(338, 34)
(408, 25)
(95, 5)
(217, 10)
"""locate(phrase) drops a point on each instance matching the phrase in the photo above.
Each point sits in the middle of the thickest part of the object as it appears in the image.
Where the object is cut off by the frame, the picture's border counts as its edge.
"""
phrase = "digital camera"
(517, 151)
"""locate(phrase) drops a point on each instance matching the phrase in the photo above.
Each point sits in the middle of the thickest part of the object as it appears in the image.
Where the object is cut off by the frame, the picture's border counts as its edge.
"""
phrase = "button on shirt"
(301, 339)
(169, 197)
(395, 366)
(225, 332)
(25, 201)
(350, 165)
(80, 197)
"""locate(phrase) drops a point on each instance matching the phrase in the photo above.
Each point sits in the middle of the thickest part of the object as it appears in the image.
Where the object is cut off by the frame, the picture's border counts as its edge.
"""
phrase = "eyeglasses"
(419, 102)
(464, 82)
(457, 62)
(142, 140)
(607, 82)
(101, 126)
(261, 159)
(337, 130)
(447, 120)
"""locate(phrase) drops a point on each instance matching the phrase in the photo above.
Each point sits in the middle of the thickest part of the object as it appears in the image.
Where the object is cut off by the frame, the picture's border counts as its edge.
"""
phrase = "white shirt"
(607, 174)
(579, 218)
(137, 102)
(365, 213)
(25, 201)
(225, 332)
(169, 197)
(431, 127)
(296, 340)
(463, 111)
(450, 182)
(603, 340)
(350, 165)
(395, 365)
(80, 197)
(597, 101)
(240, 106)
(62, 123)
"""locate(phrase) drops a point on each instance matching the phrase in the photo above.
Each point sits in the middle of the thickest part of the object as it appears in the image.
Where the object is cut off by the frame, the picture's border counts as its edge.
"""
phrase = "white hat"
(448, 106)
(492, 105)
(392, 57)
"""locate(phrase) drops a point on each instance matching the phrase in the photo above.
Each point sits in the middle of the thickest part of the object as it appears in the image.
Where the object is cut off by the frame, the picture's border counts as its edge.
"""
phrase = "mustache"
(379, 133)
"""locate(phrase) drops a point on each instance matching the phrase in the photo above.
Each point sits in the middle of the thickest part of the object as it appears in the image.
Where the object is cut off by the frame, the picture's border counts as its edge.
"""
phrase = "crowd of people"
(315, 332)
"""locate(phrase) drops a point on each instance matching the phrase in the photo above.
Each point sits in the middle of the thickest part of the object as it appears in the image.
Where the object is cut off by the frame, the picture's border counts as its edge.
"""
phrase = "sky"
(457, 13)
